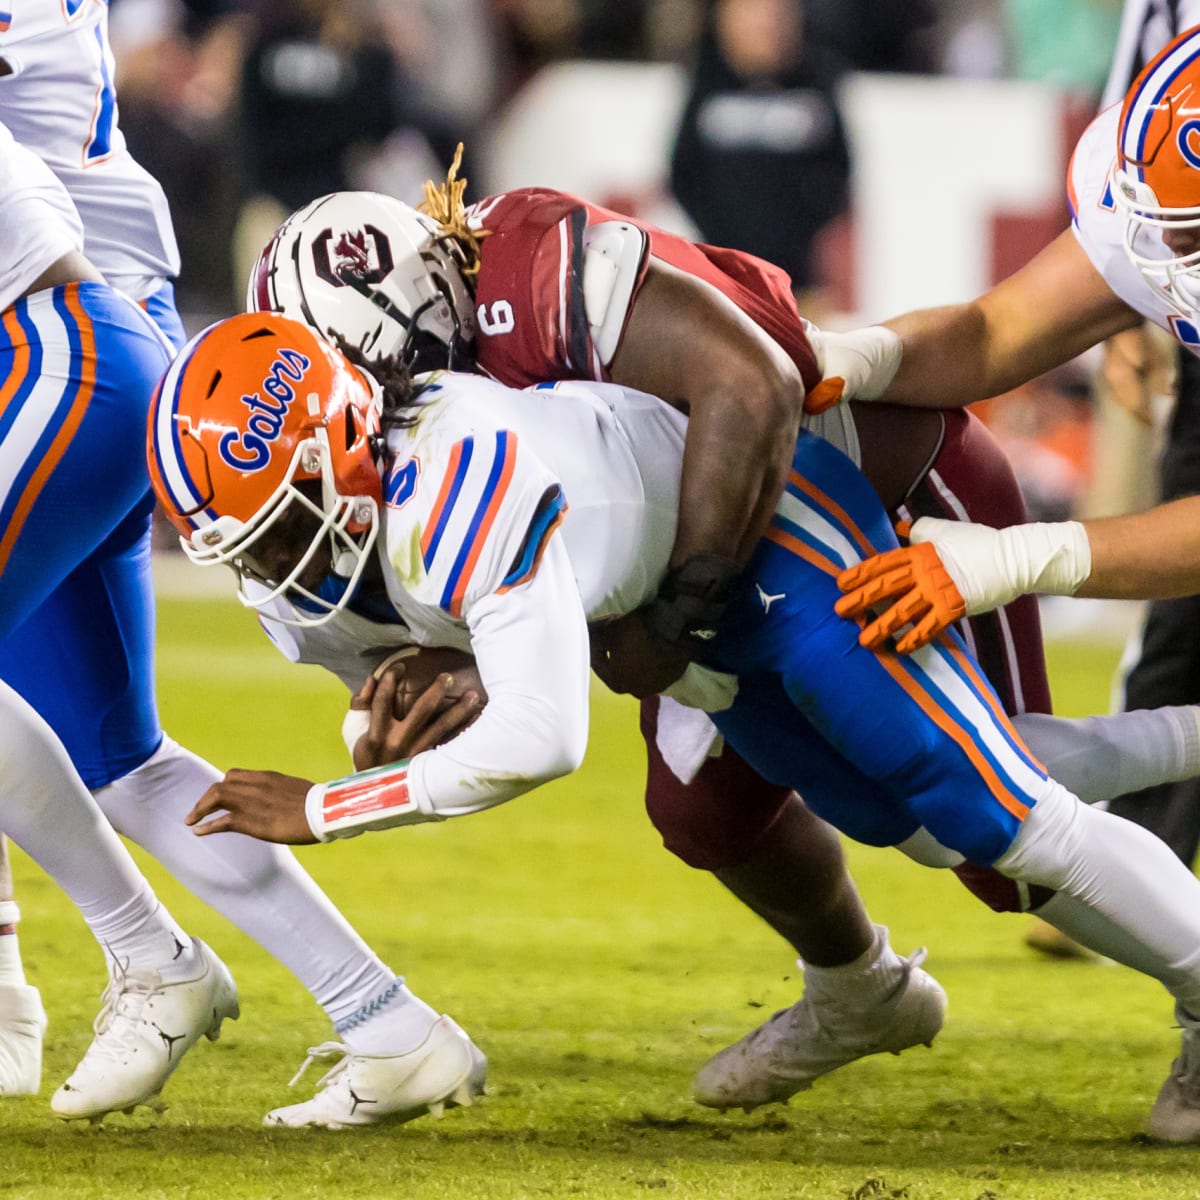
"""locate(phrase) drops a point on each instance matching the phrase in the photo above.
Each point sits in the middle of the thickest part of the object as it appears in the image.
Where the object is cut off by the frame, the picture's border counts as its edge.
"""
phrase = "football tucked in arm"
(422, 665)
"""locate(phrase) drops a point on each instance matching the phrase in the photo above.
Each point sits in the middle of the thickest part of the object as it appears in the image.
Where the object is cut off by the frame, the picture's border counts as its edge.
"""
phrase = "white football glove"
(858, 365)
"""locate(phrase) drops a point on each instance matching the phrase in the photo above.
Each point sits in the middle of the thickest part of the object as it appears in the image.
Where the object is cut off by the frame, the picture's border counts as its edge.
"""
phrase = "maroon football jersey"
(532, 325)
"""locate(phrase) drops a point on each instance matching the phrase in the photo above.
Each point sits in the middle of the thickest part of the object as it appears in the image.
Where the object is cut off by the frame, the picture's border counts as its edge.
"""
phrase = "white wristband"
(375, 799)
(10, 913)
(990, 567)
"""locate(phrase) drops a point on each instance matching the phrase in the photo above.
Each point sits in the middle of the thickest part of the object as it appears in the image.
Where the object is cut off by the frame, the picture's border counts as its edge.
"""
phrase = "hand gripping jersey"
(59, 99)
(1100, 227)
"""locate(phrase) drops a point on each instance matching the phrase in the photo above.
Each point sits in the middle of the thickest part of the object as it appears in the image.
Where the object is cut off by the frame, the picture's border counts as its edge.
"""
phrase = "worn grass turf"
(598, 973)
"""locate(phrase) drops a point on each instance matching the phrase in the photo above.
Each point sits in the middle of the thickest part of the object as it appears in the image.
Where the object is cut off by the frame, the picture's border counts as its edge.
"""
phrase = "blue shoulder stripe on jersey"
(13, 409)
(550, 508)
(442, 516)
(99, 145)
(468, 552)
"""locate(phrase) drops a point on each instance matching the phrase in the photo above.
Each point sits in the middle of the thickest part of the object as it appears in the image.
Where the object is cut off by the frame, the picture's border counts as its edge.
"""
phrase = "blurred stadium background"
(574, 949)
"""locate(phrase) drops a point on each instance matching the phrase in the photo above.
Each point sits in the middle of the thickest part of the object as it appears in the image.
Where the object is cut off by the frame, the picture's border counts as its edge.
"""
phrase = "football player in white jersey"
(270, 452)
(83, 658)
(77, 360)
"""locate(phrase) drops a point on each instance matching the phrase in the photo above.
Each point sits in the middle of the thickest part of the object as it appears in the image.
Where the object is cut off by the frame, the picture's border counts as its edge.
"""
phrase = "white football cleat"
(800, 1044)
(144, 1029)
(446, 1070)
(1175, 1116)
(22, 1024)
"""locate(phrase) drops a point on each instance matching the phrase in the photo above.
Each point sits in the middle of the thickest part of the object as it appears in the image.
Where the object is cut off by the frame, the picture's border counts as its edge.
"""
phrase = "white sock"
(393, 1022)
(47, 811)
(12, 971)
(1126, 875)
(860, 984)
(1100, 758)
(259, 887)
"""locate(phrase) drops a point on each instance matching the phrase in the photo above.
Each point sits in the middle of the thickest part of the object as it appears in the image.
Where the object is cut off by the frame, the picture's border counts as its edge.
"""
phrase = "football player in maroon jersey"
(537, 285)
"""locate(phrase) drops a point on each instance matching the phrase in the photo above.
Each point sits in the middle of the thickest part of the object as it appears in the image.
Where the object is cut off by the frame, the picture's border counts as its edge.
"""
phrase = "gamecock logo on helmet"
(359, 254)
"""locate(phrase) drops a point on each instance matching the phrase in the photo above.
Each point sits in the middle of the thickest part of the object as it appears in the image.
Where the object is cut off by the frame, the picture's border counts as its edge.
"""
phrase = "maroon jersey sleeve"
(532, 322)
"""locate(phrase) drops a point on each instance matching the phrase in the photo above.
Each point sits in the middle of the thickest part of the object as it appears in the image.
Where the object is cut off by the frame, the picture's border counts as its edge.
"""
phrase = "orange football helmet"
(254, 408)
(1156, 181)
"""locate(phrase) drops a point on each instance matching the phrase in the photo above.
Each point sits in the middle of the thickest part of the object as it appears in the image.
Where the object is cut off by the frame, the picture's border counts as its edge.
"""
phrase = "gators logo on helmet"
(261, 444)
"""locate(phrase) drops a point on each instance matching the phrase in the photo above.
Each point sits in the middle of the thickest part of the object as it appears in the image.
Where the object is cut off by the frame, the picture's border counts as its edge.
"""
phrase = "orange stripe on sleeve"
(71, 423)
(489, 518)
(442, 496)
(958, 735)
(537, 558)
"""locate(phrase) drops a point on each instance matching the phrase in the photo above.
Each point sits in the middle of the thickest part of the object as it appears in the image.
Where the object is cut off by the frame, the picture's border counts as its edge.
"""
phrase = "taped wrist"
(355, 723)
(375, 799)
(691, 602)
(1047, 559)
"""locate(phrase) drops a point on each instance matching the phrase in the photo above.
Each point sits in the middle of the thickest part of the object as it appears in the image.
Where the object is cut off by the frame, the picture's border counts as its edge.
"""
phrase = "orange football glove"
(917, 591)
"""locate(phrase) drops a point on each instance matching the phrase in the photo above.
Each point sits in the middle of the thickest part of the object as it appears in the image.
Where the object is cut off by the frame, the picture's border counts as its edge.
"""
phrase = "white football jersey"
(39, 221)
(1100, 228)
(59, 99)
(475, 488)
(511, 519)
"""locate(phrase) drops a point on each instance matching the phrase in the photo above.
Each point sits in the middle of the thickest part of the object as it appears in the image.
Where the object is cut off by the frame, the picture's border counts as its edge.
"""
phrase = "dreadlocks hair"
(444, 204)
(400, 409)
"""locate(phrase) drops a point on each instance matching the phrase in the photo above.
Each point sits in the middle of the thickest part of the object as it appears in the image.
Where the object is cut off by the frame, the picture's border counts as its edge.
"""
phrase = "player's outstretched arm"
(1051, 310)
(953, 569)
(272, 807)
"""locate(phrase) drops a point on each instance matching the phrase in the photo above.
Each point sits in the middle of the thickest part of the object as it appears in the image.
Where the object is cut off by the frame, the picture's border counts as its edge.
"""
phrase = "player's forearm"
(531, 647)
(1052, 309)
(959, 354)
(1153, 555)
(740, 444)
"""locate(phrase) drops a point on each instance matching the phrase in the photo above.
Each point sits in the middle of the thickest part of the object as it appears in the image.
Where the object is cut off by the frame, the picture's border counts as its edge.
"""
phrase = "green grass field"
(597, 973)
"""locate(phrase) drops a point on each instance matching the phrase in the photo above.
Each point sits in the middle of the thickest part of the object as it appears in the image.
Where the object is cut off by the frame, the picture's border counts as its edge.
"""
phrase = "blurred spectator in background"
(178, 67)
(875, 35)
(453, 61)
(322, 92)
(761, 162)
